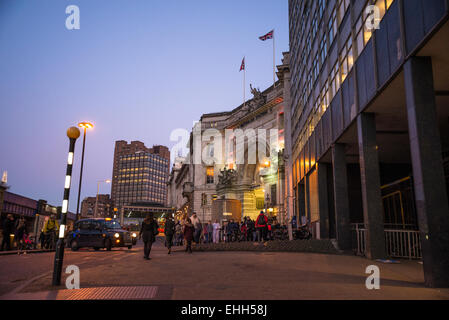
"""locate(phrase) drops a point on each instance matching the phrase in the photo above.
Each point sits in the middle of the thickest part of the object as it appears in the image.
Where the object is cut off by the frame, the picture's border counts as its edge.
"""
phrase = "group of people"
(193, 230)
(150, 229)
(232, 231)
(22, 237)
(18, 229)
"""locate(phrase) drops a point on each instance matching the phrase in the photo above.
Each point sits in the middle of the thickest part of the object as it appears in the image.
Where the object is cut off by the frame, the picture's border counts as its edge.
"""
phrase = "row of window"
(340, 70)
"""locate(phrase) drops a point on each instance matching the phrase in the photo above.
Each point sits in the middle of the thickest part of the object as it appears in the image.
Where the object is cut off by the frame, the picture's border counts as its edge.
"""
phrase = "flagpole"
(274, 60)
(244, 83)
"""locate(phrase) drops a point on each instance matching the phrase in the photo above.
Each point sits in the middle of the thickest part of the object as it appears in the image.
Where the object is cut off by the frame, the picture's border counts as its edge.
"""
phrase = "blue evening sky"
(137, 69)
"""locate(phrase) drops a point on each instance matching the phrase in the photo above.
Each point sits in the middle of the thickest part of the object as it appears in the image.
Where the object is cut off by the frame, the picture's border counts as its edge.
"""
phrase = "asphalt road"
(222, 275)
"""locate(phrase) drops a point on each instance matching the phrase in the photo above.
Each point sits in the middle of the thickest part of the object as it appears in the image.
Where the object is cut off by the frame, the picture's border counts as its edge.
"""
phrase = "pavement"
(124, 274)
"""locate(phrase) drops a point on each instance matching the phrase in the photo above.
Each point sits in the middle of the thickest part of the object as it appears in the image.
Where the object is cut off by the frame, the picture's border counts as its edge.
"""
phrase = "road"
(222, 275)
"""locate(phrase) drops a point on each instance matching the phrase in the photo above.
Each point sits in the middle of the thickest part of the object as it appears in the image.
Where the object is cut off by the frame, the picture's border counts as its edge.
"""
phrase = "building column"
(323, 203)
(428, 173)
(341, 198)
(301, 202)
(371, 193)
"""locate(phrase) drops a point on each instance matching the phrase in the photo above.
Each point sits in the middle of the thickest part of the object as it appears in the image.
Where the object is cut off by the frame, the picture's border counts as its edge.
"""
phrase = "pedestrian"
(189, 230)
(195, 220)
(216, 232)
(210, 230)
(205, 233)
(169, 231)
(8, 228)
(20, 234)
(244, 231)
(262, 226)
(179, 235)
(148, 233)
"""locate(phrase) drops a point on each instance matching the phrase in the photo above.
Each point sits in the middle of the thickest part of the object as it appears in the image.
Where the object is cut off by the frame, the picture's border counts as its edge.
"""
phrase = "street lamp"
(73, 133)
(98, 191)
(85, 126)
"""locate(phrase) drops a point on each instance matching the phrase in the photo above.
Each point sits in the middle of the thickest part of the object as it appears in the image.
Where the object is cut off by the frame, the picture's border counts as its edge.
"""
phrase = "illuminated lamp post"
(73, 133)
(85, 126)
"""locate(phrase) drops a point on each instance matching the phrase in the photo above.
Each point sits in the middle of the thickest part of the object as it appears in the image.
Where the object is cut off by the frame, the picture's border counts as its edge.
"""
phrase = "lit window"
(210, 175)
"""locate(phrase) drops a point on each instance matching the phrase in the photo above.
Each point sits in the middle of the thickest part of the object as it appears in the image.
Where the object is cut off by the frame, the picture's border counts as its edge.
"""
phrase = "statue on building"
(259, 99)
(227, 177)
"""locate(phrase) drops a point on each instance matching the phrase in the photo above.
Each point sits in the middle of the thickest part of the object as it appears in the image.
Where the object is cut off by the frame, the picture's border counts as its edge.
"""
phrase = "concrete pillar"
(301, 203)
(341, 198)
(323, 200)
(428, 173)
(371, 193)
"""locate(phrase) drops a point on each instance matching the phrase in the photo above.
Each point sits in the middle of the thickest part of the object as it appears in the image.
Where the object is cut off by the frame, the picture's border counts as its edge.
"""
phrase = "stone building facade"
(256, 185)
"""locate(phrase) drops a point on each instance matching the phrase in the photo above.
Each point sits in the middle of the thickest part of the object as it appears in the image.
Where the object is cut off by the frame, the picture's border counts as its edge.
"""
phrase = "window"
(342, 8)
(363, 34)
(333, 27)
(210, 175)
(334, 80)
(203, 199)
(347, 59)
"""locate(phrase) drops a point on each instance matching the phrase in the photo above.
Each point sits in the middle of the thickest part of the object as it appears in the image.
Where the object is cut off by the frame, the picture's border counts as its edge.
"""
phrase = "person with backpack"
(169, 231)
(148, 233)
(262, 226)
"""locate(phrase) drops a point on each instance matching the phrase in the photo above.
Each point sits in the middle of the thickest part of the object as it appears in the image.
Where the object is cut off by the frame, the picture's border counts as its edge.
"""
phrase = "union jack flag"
(269, 35)
(242, 67)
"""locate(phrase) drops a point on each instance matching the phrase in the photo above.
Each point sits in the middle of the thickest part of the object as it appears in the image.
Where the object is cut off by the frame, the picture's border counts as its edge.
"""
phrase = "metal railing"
(399, 243)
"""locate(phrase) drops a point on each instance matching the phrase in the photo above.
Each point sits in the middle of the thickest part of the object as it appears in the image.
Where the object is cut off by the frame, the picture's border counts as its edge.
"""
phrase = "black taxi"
(99, 233)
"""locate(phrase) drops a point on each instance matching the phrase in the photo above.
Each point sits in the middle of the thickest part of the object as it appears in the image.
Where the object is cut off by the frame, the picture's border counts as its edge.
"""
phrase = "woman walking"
(189, 230)
(148, 233)
(169, 231)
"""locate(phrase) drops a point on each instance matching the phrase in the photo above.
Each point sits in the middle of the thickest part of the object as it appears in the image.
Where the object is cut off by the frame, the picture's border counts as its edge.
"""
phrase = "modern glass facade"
(142, 177)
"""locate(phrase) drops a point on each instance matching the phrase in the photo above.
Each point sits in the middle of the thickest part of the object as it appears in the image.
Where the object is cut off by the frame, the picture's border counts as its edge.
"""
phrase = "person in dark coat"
(189, 230)
(169, 231)
(262, 226)
(21, 231)
(8, 228)
(148, 233)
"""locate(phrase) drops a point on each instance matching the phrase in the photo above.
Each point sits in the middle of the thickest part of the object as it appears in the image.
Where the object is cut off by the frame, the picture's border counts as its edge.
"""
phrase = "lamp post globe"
(73, 133)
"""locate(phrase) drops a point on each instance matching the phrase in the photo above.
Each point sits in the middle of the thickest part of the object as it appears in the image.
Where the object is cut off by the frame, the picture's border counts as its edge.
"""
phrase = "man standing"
(216, 233)
(210, 230)
(169, 231)
(262, 226)
(198, 227)
(8, 225)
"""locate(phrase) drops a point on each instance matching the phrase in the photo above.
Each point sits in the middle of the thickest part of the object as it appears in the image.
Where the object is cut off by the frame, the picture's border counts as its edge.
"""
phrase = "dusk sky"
(137, 69)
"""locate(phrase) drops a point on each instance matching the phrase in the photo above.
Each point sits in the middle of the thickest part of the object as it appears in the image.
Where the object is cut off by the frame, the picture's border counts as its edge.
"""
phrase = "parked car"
(99, 233)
